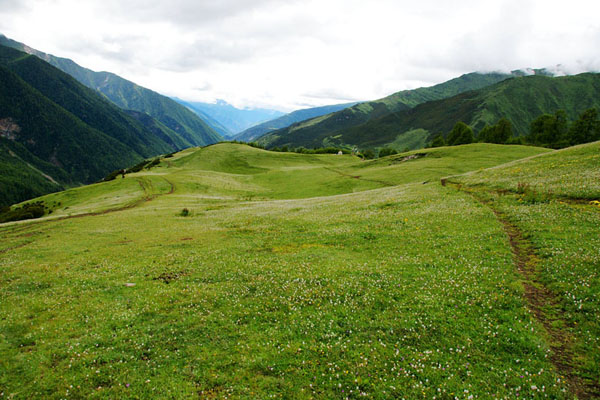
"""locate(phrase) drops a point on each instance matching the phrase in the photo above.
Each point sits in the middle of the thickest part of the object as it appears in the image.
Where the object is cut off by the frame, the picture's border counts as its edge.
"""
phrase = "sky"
(292, 54)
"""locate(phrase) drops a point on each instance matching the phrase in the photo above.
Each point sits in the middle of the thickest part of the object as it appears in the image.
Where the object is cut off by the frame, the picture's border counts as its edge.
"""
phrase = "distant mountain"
(210, 121)
(519, 99)
(127, 95)
(313, 131)
(286, 120)
(55, 132)
(235, 120)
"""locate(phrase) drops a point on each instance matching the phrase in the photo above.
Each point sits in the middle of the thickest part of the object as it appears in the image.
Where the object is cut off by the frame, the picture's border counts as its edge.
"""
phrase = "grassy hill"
(520, 100)
(129, 96)
(309, 276)
(286, 120)
(307, 133)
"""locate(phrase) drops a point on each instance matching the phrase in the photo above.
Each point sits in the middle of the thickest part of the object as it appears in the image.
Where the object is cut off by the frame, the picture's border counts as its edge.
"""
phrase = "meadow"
(309, 276)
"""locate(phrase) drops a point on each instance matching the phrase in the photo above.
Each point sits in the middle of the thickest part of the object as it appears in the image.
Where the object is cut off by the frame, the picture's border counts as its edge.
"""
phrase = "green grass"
(293, 276)
(575, 173)
(554, 199)
(414, 139)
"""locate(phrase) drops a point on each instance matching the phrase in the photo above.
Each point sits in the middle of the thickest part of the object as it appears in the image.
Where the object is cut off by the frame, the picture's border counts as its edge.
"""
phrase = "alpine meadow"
(300, 200)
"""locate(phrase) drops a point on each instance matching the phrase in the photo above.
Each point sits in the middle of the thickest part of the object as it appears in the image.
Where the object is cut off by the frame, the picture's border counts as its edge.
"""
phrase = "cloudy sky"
(291, 54)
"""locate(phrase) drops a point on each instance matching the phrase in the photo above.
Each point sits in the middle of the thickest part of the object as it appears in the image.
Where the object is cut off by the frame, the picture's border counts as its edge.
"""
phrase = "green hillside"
(59, 133)
(315, 130)
(127, 95)
(230, 271)
(84, 103)
(56, 136)
(286, 120)
(22, 174)
(519, 99)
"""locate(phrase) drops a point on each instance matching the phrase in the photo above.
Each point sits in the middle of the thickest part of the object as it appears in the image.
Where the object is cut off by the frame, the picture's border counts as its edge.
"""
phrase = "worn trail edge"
(543, 303)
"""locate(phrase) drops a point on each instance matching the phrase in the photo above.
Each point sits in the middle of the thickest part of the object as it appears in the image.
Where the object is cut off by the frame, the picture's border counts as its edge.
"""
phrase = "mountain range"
(286, 120)
(60, 129)
(130, 96)
(318, 131)
(476, 99)
(232, 119)
(56, 132)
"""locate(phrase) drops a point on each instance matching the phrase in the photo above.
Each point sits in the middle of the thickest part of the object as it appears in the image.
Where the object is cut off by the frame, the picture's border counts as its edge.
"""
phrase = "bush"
(184, 213)
(113, 175)
(137, 167)
(368, 154)
(27, 211)
(153, 163)
(387, 151)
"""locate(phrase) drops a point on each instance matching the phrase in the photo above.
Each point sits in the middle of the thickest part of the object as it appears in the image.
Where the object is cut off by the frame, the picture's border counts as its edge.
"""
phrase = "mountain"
(210, 121)
(313, 131)
(235, 120)
(286, 120)
(55, 132)
(128, 95)
(520, 100)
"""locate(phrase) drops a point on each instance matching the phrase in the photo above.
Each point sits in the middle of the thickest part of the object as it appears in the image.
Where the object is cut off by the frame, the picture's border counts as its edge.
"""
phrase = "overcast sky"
(293, 54)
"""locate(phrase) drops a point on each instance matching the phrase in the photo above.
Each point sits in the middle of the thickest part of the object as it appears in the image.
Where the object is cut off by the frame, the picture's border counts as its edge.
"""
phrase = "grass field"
(305, 276)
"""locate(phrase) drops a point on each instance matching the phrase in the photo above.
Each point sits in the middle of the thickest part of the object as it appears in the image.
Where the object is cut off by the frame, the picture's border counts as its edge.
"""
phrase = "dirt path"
(544, 304)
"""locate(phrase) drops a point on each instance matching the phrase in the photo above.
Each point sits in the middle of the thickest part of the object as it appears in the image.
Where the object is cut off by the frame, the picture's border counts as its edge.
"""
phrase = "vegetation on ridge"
(519, 100)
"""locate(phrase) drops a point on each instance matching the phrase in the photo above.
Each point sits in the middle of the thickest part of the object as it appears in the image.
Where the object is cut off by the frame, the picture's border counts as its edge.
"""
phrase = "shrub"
(153, 163)
(137, 167)
(27, 211)
(185, 212)
(387, 151)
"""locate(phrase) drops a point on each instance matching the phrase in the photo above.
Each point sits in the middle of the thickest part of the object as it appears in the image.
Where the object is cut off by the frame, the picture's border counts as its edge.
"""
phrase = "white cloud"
(288, 54)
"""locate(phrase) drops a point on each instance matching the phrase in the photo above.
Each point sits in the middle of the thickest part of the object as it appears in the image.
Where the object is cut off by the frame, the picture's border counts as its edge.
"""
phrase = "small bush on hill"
(27, 211)
(153, 163)
(387, 151)
(137, 167)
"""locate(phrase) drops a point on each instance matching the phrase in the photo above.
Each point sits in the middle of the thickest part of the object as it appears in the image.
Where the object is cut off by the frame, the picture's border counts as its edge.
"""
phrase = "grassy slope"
(399, 291)
(542, 200)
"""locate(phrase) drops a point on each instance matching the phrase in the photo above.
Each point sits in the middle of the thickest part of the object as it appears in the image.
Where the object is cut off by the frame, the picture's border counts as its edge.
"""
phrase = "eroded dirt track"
(543, 303)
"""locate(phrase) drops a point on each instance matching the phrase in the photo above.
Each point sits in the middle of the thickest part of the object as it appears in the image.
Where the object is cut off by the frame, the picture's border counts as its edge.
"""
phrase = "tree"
(499, 133)
(502, 131)
(387, 151)
(486, 134)
(585, 129)
(549, 130)
(438, 141)
(460, 134)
